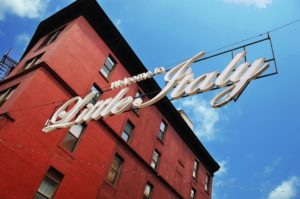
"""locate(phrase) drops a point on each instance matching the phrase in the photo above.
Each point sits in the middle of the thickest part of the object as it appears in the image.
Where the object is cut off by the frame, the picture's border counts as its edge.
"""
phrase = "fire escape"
(7, 64)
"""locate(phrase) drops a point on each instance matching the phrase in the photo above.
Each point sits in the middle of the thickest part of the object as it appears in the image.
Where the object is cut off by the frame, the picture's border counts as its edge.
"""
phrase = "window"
(108, 67)
(49, 184)
(127, 131)
(207, 183)
(4, 95)
(195, 169)
(72, 138)
(193, 194)
(99, 92)
(51, 37)
(115, 169)
(32, 62)
(155, 159)
(138, 95)
(148, 191)
(162, 130)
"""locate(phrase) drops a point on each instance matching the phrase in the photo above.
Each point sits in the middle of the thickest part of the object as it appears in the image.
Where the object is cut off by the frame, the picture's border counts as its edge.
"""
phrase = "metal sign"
(180, 82)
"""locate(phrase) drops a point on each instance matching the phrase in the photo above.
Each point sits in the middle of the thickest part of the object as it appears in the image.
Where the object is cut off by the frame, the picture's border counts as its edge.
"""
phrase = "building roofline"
(104, 27)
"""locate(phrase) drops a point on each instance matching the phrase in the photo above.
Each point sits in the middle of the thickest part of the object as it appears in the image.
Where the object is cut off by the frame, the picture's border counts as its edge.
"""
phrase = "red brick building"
(149, 153)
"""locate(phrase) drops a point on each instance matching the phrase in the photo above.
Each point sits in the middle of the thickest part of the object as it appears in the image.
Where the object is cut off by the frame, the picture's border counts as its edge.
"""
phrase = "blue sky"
(255, 140)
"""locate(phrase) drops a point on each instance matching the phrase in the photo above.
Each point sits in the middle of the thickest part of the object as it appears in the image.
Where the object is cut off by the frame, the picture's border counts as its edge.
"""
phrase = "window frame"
(32, 62)
(52, 37)
(207, 183)
(113, 60)
(57, 181)
(94, 100)
(116, 179)
(156, 163)
(195, 170)
(151, 190)
(137, 110)
(193, 193)
(73, 136)
(7, 93)
(124, 131)
(163, 133)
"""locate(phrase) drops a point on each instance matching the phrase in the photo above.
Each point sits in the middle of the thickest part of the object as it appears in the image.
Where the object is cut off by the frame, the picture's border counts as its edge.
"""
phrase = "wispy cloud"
(118, 23)
(22, 40)
(21, 8)
(221, 183)
(57, 8)
(223, 168)
(203, 116)
(2, 33)
(257, 3)
(220, 180)
(269, 168)
(225, 182)
(286, 190)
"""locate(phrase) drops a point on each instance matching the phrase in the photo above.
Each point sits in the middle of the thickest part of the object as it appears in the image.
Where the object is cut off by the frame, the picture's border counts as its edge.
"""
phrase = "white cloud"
(286, 190)
(21, 8)
(203, 116)
(269, 168)
(257, 3)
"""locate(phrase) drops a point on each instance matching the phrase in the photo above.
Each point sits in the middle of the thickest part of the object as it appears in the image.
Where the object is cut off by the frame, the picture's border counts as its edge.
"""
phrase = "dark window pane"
(98, 94)
(54, 174)
(109, 63)
(162, 126)
(49, 184)
(108, 67)
(72, 137)
(128, 128)
(4, 95)
(39, 196)
(105, 72)
(54, 36)
(47, 187)
(162, 130)
(51, 37)
(32, 62)
(155, 159)
(117, 162)
(69, 142)
(114, 170)
(112, 176)
(155, 156)
(160, 135)
(127, 131)
(137, 95)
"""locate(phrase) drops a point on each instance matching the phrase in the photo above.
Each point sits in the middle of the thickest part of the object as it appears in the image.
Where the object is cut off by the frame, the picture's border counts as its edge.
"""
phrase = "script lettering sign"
(180, 81)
